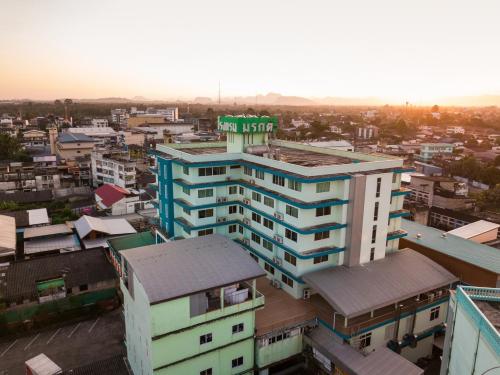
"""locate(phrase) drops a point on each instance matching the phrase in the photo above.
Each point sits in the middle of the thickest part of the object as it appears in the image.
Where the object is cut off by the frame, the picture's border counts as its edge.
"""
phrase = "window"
(186, 191)
(291, 259)
(269, 202)
(374, 234)
(247, 171)
(205, 232)
(323, 211)
(269, 268)
(185, 170)
(291, 235)
(322, 187)
(205, 213)
(318, 236)
(205, 193)
(242, 191)
(238, 328)
(365, 340)
(288, 281)
(267, 245)
(379, 184)
(292, 211)
(278, 180)
(205, 338)
(233, 189)
(435, 313)
(241, 210)
(237, 362)
(256, 217)
(321, 259)
(211, 171)
(255, 238)
(375, 212)
(207, 371)
(232, 228)
(240, 229)
(295, 185)
(268, 224)
(259, 174)
(233, 209)
(372, 253)
(256, 196)
(186, 211)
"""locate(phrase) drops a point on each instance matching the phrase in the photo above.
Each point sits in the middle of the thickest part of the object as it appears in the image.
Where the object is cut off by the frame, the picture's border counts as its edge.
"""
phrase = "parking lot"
(69, 346)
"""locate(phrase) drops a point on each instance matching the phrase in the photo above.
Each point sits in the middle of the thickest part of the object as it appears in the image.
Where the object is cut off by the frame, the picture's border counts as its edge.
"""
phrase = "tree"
(57, 102)
(10, 149)
(489, 199)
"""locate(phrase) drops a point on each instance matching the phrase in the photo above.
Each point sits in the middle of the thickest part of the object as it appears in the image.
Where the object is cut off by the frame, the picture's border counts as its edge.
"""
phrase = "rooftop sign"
(236, 124)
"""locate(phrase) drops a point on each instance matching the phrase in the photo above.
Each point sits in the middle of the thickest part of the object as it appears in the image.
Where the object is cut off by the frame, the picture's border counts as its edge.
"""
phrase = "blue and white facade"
(293, 217)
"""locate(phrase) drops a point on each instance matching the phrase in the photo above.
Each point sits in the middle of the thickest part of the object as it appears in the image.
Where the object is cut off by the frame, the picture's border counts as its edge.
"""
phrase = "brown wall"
(466, 272)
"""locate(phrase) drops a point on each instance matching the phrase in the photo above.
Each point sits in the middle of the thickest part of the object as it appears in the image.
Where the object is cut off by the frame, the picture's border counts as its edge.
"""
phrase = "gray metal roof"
(353, 291)
(46, 230)
(382, 361)
(482, 256)
(73, 137)
(179, 268)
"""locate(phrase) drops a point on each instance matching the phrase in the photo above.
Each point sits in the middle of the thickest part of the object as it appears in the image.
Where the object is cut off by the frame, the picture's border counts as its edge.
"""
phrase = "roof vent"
(419, 236)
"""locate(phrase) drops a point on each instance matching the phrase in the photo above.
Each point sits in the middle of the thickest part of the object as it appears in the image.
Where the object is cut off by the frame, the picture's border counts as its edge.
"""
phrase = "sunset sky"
(393, 49)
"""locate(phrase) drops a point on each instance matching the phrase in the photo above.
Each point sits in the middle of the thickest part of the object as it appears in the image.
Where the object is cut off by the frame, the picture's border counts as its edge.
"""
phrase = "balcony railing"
(396, 234)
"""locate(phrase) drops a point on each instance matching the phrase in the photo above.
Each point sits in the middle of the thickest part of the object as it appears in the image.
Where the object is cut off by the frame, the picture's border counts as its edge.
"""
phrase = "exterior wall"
(73, 150)
(467, 272)
(269, 354)
(486, 237)
(107, 170)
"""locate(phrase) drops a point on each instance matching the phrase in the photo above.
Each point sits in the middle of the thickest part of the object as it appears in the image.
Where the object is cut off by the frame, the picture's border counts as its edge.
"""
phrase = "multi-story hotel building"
(325, 226)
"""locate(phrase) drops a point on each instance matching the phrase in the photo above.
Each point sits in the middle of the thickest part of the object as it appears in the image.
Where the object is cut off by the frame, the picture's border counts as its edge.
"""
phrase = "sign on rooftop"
(251, 124)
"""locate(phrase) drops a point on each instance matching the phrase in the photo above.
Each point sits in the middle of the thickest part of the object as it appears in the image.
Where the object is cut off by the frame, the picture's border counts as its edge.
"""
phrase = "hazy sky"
(394, 49)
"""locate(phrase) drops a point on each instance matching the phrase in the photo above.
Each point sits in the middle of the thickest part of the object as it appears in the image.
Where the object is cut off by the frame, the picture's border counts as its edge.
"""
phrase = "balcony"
(399, 213)
(400, 191)
(396, 234)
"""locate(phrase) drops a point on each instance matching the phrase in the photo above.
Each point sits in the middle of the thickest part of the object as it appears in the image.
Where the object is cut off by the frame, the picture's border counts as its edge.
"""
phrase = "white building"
(455, 130)
(113, 167)
(99, 123)
(367, 132)
(334, 145)
(171, 114)
(300, 123)
(101, 135)
(119, 116)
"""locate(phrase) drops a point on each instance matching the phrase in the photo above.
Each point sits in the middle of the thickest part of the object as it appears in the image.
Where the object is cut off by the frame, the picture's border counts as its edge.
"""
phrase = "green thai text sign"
(236, 124)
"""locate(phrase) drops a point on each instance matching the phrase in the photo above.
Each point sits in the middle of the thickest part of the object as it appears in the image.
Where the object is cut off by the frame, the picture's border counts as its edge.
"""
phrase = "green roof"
(132, 241)
(480, 255)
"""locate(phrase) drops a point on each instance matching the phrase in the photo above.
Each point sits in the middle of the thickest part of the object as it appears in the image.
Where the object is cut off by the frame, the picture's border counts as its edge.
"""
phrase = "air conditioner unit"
(246, 221)
(246, 201)
(221, 219)
(278, 238)
(246, 241)
(306, 293)
(276, 283)
(278, 261)
(278, 215)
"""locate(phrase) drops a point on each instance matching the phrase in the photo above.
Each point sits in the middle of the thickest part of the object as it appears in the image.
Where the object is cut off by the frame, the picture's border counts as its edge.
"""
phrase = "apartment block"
(113, 167)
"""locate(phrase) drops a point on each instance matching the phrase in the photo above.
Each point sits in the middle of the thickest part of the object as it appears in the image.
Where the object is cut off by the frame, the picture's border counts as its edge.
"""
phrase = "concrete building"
(438, 191)
(72, 145)
(99, 123)
(113, 167)
(472, 343)
(119, 116)
(190, 306)
(102, 135)
(430, 150)
(455, 130)
(367, 132)
(121, 201)
(153, 116)
(34, 139)
(473, 263)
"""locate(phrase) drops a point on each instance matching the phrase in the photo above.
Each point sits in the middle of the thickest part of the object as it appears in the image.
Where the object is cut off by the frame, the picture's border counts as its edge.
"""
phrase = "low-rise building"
(439, 191)
(99, 123)
(119, 116)
(101, 135)
(113, 167)
(367, 132)
(72, 145)
(472, 342)
(190, 307)
(94, 232)
(430, 150)
(34, 139)
(7, 238)
(480, 231)
(49, 239)
(121, 201)
(455, 130)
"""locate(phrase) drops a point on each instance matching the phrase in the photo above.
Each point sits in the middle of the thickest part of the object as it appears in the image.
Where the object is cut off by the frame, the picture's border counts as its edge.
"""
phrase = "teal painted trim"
(423, 335)
(328, 251)
(170, 198)
(155, 204)
(304, 205)
(331, 329)
(396, 236)
(393, 215)
(270, 261)
(264, 214)
(217, 163)
(404, 170)
(396, 193)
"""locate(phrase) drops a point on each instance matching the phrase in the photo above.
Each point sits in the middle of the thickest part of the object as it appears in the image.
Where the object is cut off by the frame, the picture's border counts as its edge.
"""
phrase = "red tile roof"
(110, 194)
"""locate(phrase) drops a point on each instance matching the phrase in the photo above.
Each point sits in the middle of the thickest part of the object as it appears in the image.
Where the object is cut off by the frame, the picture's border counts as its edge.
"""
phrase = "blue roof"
(482, 256)
(73, 137)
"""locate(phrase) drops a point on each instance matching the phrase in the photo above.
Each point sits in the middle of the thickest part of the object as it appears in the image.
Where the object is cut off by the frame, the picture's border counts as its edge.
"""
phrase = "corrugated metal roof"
(179, 268)
(474, 229)
(7, 234)
(353, 291)
(114, 365)
(382, 361)
(86, 224)
(40, 245)
(483, 256)
(46, 230)
(38, 216)
(73, 137)
(110, 194)
(43, 365)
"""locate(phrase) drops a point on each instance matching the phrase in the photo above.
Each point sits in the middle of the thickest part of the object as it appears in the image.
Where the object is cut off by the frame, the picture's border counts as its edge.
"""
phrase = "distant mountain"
(272, 99)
